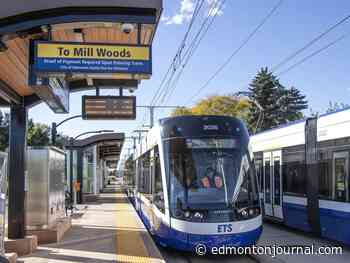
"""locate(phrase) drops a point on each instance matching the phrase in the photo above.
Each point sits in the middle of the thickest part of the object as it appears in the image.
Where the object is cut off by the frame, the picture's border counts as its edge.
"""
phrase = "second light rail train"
(303, 170)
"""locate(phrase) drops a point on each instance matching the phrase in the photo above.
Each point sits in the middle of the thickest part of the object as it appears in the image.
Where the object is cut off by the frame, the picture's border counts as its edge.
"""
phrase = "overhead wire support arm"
(56, 125)
(152, 108)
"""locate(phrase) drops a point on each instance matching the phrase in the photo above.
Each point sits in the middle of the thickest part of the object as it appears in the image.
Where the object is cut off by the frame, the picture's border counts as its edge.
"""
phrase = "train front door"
(273, 184)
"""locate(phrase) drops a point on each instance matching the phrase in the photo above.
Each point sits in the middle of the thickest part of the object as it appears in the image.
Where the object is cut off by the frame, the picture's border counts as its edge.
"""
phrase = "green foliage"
(62, 140)
(4, 130)
(280, 104)
(336, 106)
(291, 104)
(227, 105)
(181, 111)
(38, 134)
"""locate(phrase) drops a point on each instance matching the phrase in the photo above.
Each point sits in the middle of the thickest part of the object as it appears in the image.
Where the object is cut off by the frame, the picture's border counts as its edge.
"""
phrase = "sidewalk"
(108, 231)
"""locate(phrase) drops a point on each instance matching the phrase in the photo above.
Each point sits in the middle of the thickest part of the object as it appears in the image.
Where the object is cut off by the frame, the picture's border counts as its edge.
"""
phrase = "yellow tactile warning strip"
(130, 244)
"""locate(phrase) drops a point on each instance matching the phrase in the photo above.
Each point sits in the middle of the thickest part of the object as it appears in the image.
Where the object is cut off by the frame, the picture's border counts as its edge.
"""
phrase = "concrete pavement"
(107, 231)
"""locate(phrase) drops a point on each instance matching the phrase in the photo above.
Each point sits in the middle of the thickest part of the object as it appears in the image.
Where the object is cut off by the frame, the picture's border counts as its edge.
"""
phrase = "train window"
(340, 175)
(267, 182)
(294, 178)
(158, 183)
(277, 181)
(144, 175)
(325, 180)
(259, 173)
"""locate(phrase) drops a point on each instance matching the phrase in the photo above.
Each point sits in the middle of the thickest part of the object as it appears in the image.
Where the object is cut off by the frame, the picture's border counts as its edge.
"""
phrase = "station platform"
(108, 230)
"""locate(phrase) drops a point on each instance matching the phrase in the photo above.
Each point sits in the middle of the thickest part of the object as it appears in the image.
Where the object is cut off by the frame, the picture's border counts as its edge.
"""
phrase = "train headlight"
(251, 212)
(187, 214)
(244, 213)
(198, 215)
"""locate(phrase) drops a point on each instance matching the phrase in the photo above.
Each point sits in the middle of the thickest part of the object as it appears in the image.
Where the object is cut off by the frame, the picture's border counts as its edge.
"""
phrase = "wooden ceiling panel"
(110, 35)
(14, 66)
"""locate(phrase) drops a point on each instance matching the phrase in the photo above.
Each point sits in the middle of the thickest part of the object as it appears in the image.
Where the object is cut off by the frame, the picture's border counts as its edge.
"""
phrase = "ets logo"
(225, 228)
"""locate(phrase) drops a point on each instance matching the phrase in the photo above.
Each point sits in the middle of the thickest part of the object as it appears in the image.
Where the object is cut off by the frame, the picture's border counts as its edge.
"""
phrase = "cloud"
(184, 15)
(164, 18)
(186, 11)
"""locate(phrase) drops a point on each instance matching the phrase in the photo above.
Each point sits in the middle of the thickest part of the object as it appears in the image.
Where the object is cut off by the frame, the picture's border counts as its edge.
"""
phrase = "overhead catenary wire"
(236, 51)
(303, 60)
(177, 56)
(310, 43)
(204, 28)
(167, 81)
(207, 23)
(306, 46)
(313, 54)
(308, 57)
(172, 66)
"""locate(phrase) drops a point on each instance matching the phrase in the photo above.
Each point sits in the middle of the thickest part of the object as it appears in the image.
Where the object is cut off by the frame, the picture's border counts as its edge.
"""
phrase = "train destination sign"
(64, 57)
(109, 107)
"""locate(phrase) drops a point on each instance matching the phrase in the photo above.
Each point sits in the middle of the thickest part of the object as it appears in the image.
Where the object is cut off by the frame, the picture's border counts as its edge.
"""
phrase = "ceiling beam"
(9, 94)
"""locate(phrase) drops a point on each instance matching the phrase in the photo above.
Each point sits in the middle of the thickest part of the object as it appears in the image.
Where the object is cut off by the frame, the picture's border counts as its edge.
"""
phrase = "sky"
(322, 79)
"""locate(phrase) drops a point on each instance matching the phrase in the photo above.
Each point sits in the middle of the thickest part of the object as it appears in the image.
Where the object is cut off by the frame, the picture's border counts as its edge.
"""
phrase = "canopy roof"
(20, 7)
(75, 21)
(109, 144)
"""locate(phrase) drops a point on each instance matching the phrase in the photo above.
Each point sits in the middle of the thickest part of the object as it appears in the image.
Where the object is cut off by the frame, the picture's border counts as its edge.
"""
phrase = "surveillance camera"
(131, 90)
(127, 28)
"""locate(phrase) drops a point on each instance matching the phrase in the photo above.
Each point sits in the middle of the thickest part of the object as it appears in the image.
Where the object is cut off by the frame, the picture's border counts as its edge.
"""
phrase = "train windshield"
(207, 174)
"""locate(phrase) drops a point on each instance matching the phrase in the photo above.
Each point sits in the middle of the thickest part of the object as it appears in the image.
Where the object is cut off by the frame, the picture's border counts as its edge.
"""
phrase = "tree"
(181, 111)
(291, 103)
(4, 130)
(38, 134)
(62, 140)
(265, 89)
(227, 105)
(336, 106)
(281, 105)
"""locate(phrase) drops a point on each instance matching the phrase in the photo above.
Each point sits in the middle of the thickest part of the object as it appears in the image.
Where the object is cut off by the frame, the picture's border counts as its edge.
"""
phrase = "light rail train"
(303, 171)
(196, 183)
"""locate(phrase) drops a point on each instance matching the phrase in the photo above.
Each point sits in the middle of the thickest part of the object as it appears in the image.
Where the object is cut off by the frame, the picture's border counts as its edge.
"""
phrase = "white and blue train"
(195, 182)
(303, 171)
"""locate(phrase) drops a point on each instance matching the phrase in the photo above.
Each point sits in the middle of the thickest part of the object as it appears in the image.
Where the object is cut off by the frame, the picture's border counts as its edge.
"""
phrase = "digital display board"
(109, 108)
(69, 57)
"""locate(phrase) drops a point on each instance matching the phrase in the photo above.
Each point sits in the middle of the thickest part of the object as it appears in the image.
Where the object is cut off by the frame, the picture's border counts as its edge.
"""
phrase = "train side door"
(259, 168)
(267, 184)
(341, 176)
(273, 184)
(277, 184)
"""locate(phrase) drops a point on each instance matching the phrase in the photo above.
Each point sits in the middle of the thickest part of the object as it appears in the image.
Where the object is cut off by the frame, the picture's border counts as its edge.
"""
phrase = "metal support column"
(17, 172)
(80, 175)
(151, 115)
(71, 173)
